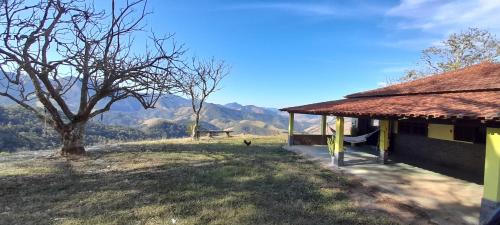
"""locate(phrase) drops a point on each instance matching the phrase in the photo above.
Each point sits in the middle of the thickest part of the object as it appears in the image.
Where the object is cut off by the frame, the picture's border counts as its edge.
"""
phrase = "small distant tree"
(460, 50)
(200, 79)
(409, 75)
(52, 49)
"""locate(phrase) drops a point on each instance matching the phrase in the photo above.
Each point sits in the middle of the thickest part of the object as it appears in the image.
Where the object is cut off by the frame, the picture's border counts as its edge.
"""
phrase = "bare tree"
(53, 48)
(201, 79)
(458, 51)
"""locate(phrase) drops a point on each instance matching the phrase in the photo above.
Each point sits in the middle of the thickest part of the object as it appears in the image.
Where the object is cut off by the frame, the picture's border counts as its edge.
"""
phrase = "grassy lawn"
(220, 181)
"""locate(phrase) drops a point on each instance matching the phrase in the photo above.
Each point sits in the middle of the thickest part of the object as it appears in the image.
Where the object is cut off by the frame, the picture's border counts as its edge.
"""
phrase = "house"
(450, 119)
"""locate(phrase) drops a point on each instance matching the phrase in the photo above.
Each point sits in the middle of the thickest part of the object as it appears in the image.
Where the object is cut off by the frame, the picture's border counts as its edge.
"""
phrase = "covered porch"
(379, 136)
(445, 199)
(451, 120)
(447, 194)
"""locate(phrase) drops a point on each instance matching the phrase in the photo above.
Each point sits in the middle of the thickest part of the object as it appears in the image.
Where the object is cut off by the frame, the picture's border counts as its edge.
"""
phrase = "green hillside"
(21, 130)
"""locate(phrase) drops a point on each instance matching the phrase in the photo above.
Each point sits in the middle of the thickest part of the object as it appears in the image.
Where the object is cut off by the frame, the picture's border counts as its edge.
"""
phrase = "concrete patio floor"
(445, 199)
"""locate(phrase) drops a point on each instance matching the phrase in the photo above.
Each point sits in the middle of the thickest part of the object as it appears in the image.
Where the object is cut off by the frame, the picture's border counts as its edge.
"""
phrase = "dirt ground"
(412, 194)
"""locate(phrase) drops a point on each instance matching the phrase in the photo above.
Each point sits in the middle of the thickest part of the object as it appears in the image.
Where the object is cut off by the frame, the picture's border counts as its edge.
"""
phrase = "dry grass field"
(216, 181)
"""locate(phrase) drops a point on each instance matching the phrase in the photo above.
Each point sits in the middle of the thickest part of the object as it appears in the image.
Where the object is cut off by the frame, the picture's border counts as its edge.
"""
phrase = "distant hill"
(163, 129)
(239, 118)
(176, 112)
(316, 129)
(20, 129)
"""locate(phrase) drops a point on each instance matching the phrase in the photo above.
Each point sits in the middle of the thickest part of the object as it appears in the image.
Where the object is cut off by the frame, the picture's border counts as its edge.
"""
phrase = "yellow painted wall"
(440, 131)
(492, 165)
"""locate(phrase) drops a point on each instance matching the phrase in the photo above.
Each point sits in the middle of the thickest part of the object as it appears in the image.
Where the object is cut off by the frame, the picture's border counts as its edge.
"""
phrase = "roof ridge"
(472, 78)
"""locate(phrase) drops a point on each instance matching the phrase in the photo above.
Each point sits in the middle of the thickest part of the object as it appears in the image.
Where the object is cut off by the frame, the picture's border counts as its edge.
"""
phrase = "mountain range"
(176, 110)
(247, 119)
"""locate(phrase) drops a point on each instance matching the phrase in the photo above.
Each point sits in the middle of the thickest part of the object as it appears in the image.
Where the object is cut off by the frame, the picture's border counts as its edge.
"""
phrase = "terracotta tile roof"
(471, 93)
(468, 105)
(484, 76)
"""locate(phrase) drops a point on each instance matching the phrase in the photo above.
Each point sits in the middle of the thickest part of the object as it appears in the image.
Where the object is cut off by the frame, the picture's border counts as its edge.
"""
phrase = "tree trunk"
(195, 135)
(73, 140)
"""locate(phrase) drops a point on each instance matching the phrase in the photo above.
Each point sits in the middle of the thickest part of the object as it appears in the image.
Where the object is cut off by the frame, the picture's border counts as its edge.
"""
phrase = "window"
(412, 127)
(470, 133)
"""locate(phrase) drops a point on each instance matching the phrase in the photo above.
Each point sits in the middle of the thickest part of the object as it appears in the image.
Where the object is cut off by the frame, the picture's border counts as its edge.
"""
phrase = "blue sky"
(285, 53)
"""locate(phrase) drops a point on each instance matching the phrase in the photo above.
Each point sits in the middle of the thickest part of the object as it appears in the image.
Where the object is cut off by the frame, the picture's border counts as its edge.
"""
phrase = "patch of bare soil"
(372, 199)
